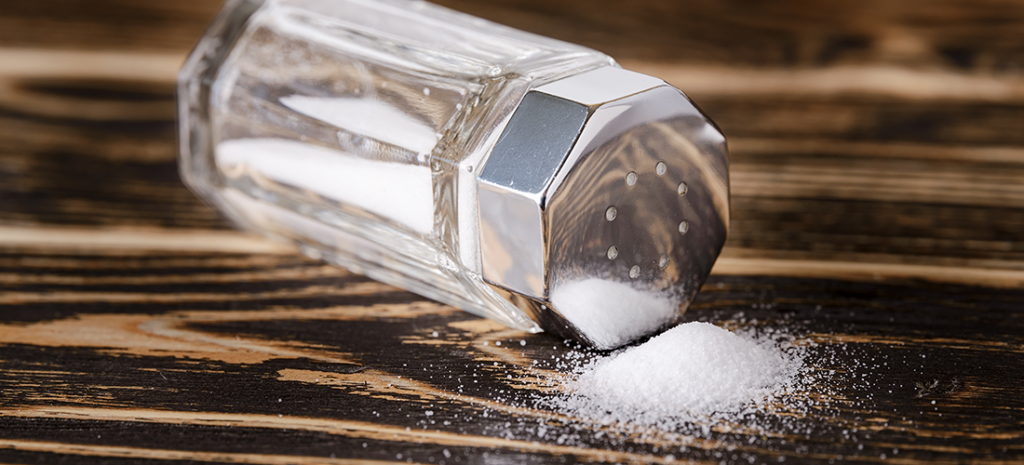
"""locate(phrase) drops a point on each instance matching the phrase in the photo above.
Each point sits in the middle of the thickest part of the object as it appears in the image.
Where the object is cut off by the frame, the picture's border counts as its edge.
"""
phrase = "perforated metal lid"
(604, 205)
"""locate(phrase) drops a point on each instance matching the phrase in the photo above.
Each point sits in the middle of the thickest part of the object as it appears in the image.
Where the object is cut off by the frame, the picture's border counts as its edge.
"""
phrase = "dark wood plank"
(965, 35)
(911, 366)
(96, 152)
(828, 195)
(57, 139)
(877, 161)
(107, 24)
(787, 33)
(866, 117)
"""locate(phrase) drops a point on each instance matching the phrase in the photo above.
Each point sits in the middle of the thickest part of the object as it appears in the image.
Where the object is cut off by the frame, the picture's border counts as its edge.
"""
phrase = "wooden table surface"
(877, 153)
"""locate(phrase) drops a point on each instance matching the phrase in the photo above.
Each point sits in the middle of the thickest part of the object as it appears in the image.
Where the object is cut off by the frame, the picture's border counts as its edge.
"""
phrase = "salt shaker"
(521, 178)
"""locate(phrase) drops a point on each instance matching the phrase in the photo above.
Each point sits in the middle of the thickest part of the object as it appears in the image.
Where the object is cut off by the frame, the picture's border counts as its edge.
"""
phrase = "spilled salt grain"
(691, 371)
(595, 306)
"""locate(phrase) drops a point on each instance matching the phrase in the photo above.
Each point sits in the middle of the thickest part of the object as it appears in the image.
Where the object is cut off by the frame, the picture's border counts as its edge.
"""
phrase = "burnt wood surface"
(877, 168)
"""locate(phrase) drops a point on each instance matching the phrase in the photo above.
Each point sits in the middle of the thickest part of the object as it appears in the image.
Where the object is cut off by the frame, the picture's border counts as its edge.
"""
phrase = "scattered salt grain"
(595, 307)
(691, 371)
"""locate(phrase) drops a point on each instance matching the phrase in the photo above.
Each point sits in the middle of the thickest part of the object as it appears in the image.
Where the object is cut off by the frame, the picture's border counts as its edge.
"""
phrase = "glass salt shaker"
(521, 178)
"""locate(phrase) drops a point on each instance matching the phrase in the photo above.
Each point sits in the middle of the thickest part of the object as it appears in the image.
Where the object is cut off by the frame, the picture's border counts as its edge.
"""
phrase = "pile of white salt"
(690, 372)
(595, 306)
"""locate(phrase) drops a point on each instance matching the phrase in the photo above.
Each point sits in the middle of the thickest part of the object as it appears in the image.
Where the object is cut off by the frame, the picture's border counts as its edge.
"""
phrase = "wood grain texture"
(877, 159)
(282, 358)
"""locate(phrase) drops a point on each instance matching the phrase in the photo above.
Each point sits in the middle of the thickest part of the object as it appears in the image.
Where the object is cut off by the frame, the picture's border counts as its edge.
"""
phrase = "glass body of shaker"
(358, 128)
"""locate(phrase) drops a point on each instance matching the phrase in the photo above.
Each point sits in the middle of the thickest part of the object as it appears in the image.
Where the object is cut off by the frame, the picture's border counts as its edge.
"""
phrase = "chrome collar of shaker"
(609, 175)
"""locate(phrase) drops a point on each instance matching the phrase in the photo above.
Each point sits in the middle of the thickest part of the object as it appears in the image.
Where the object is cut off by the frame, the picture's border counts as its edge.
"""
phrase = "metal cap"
(604, 205)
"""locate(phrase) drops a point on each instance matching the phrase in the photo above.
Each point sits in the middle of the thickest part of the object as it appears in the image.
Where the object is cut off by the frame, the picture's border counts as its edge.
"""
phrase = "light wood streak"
(863, 271)
(386, 386)
(860, 149)
(14, 96)
(356, 289)
(287, 274)
(195, 240)
(143, 335)
(347, 428)
(885, 80)
(734, 262)
(915, 344)
(376, 383)
(140, 453)
(170, 333)
(38, 135)
(889, 80)
(90, 64)
(362, 430)
(882, 182)
(129, 261)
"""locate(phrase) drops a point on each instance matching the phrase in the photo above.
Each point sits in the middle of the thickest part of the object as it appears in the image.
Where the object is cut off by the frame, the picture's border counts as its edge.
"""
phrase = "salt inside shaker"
(521, 178)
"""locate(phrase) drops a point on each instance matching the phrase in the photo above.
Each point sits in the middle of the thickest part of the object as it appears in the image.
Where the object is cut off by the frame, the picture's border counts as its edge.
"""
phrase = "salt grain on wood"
(689, 372)
(582, 302)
